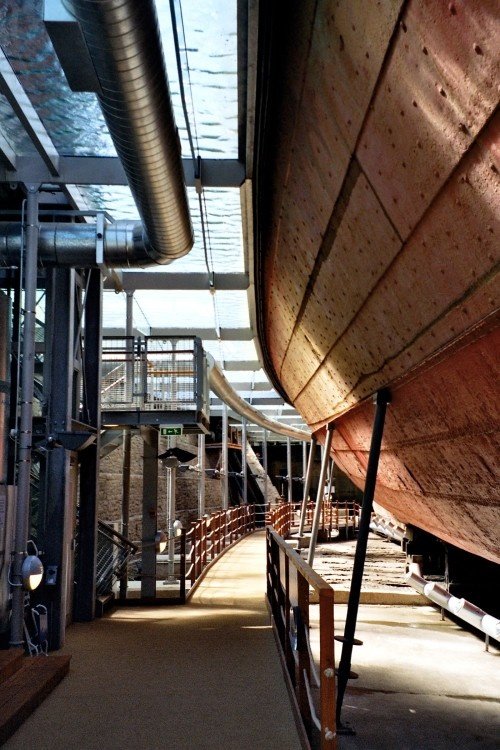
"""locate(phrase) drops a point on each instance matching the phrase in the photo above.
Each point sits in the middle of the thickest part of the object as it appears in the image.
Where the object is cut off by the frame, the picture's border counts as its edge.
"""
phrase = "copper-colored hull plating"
(379, 245)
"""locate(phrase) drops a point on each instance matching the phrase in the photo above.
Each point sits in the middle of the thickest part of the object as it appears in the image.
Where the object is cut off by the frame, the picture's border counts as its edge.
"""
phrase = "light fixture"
(160, 541)
(32, 572)
(176, 528)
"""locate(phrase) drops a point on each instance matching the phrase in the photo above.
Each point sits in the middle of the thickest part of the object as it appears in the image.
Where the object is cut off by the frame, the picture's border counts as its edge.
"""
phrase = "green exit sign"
(166, 430)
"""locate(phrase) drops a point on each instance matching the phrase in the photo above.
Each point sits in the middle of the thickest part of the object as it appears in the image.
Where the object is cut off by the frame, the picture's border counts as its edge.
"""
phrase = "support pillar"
(244, 460)
(319, 496)
(201, 475)
(57, 502)
(150, 438)
(127, 451)
(85, 590)
(225, 473)
(289, 469)
(382, 399)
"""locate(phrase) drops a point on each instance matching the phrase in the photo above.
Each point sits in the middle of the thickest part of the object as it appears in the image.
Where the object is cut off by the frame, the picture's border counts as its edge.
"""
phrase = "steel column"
(129, 332)
(225, 477)
(307, 485)
(289, 468)
(319, 496)
(150, 438)
(127, 450)
(382, 399)
(57, 503)
(265, 464)
(85, 591)
(244, 460)
(171, 483)
(26, 418)
(201, 475)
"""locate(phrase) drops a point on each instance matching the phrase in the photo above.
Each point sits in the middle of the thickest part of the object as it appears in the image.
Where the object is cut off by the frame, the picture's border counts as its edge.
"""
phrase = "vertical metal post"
(171, 476)
(85, 591)
(244, 460)
(304, 460)
(225, 477)
(382, 399)
(201, 475)
(129, 332)
(319, 495)
(57, 500)
(149, 511)
(26, 418)
(289, 468)
(307, 485)
(264, 462)
(127, 449)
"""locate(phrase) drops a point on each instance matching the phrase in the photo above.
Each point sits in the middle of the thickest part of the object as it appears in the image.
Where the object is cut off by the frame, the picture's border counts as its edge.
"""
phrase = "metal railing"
(289, 579)
(336, 515)
(153, 373)
(208, 537)
(113, 552)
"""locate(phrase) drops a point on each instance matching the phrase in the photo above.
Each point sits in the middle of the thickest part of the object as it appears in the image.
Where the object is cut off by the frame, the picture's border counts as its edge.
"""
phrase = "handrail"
(210, 536)
(289, 579)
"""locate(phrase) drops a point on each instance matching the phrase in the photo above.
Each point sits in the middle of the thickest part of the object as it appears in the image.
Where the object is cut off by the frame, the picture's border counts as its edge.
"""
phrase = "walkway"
(204, 676)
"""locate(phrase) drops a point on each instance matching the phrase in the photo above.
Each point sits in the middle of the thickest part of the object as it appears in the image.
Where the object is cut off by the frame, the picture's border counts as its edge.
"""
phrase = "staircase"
(24, 683)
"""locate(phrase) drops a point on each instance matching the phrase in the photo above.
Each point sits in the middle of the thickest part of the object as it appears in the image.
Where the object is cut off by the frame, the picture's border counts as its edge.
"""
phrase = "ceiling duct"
(225, 391)
(124, 43)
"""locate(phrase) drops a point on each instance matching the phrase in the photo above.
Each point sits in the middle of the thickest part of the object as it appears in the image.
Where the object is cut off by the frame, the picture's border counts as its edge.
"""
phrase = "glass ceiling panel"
(223, 233)
(210, 51)
(73, 120)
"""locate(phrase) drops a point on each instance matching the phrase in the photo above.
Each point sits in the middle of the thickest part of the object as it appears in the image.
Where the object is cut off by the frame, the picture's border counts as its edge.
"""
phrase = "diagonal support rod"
(382, 399)
(307, 486)
(320, 494)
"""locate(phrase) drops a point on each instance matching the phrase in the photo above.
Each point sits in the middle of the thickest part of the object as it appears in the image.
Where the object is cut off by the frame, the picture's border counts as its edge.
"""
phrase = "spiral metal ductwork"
(225, 391)
(124, 43)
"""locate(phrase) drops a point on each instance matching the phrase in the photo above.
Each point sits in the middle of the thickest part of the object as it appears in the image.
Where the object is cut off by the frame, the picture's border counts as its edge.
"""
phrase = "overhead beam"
(254, 401)
(206, 334)
(28, 117)
(248, 364)
(104, 170)
(133, 280)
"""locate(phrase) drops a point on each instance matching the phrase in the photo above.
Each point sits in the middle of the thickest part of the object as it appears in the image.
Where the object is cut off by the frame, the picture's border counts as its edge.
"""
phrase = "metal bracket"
(99, 239)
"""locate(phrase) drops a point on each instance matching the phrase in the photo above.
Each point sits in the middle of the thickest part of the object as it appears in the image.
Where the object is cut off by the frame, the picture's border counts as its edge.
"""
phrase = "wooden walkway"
(203, 676)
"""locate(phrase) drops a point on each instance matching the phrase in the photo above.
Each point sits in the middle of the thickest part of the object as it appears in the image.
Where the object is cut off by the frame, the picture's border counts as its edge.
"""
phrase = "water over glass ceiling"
(209, 57)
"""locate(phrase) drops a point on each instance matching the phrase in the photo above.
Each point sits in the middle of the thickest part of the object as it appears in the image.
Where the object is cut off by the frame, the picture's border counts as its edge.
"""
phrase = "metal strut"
(382, 399)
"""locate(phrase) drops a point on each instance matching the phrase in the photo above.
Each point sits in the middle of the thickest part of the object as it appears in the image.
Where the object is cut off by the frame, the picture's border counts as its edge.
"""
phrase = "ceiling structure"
(52, 134)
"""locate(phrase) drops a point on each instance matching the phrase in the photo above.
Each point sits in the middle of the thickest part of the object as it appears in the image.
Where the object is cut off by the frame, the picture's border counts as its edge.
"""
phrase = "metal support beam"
(150, 438)
(289, 468)
(265, 464)
(307, 484)
(382, 399)
(127, 450)
(244, 460)
(319, 496)
(171, 489)
(224, 463)
(57, 501)
(201, 475)
(26, 418)
(85, 591)
(29, 119)
(90, 170)
(132, 281)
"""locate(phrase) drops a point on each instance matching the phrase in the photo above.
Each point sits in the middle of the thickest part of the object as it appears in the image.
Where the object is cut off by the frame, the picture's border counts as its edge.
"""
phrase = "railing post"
(327, 670)
(382, 399)
(182, 571)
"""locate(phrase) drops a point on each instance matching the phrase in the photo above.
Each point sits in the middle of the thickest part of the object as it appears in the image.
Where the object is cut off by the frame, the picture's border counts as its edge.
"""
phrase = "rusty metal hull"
(378, 244)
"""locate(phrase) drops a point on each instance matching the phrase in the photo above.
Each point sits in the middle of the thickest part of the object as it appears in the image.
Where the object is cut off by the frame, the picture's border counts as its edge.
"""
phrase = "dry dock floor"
(206, 676)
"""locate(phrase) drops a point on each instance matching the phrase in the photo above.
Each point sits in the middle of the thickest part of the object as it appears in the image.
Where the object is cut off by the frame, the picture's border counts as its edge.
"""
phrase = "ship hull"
(378, 244)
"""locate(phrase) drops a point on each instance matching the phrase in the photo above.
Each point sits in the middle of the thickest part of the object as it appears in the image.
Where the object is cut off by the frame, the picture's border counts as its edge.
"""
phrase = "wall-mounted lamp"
(32, 572)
